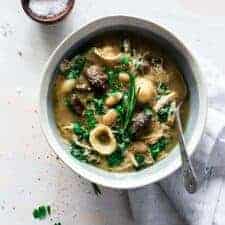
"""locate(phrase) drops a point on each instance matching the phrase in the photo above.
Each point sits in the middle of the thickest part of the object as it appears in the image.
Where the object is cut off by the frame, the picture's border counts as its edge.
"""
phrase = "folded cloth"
(203, 207)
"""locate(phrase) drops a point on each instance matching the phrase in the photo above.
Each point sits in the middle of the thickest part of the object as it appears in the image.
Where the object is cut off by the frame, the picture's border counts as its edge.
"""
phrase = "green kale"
(80, 131)
(77, 66)
(113, 82)
(162, 89)
(99, 105)
(125, 59)
(159, 146)
(115, 159)
(140, 160)
(164, 113)
(90, 119)
(78, 153)
(113, 74)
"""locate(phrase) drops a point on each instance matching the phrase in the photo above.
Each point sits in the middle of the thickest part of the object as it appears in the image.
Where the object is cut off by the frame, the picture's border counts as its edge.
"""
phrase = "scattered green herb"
(164, 113)
(96, 188)
(159, 146)
(49, 210)
(41, 212)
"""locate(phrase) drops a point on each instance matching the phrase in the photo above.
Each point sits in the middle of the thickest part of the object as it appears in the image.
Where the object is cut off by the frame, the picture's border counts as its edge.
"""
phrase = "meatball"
(140, 124)
(97, 78)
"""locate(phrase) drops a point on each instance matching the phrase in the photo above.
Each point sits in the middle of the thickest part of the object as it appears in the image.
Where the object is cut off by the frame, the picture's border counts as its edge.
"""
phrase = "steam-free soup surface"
(114, 103)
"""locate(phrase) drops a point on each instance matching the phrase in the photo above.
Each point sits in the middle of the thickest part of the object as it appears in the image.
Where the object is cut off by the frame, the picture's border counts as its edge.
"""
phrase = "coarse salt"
(48, 8)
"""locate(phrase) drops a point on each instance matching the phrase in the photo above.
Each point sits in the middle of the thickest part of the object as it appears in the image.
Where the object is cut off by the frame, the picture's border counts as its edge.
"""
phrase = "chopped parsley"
(41, 212)
(159, 146)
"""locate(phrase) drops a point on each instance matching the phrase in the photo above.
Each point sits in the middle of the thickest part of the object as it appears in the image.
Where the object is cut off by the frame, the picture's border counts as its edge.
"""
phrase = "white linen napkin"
(158, 204)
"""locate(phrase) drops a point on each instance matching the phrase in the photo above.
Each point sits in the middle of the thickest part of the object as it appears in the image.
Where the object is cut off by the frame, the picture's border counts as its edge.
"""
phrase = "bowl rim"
(105, 22)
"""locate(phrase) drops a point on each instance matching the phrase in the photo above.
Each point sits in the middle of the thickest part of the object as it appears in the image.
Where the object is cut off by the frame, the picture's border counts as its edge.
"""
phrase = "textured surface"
(30, 174)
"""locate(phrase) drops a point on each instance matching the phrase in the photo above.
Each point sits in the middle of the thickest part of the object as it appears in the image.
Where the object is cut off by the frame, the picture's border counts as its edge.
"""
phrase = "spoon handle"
(189, 176)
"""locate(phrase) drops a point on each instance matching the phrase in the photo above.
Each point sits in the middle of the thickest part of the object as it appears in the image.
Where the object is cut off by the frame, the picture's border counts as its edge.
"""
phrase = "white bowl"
(186, 63)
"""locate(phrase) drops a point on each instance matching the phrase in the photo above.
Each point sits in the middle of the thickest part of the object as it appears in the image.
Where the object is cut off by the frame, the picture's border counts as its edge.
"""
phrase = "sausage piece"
(140, 123)
(97, 78)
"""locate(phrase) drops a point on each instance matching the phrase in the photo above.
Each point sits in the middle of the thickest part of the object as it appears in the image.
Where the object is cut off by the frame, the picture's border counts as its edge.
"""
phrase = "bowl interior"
(188, 68)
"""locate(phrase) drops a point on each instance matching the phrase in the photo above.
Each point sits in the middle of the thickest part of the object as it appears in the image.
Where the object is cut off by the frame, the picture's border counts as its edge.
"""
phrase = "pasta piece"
(103, 140)
(109, 54)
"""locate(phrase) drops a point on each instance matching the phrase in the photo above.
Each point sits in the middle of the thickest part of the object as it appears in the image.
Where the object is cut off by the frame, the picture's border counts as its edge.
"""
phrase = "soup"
(114, 103)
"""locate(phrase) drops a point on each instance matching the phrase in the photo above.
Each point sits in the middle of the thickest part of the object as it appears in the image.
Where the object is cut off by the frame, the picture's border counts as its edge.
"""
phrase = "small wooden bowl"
(45, 19)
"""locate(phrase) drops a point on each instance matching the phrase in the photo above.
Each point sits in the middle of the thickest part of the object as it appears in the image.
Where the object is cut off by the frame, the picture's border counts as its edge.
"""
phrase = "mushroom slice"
(103, 140)
(165, 100)
(109, 54)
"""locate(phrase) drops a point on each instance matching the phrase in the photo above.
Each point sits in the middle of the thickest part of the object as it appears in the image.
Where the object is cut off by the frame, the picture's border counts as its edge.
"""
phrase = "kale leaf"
(80, 131)
(140, 160)
(90, 119)
(78, 153)
(77, 66)
(159, 146)
(164, 113)
(115, 159)
(99, 105)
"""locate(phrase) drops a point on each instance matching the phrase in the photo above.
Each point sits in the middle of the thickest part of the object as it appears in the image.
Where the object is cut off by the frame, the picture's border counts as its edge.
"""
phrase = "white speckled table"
(30, 173)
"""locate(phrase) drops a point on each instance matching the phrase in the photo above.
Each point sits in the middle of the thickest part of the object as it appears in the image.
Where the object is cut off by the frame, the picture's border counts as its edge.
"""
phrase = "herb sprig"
(41, 212)
(131, 101)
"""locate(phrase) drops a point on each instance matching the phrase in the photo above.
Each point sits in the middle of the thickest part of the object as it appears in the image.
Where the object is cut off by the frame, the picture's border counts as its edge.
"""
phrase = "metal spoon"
(189, 176)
